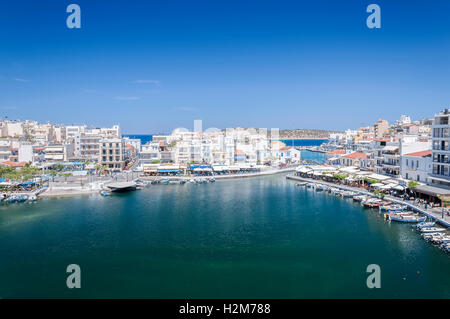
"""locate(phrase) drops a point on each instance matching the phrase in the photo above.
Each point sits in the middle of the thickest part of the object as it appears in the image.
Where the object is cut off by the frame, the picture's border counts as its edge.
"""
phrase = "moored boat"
(348, 194)
(301, 184)
(425, 225)
(105, 193)
(359, 198)
(372, 203)
(406, 218)
(432, 230)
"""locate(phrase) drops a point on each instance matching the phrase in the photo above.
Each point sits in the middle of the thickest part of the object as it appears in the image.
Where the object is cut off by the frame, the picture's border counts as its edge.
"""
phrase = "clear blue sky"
(153, 65)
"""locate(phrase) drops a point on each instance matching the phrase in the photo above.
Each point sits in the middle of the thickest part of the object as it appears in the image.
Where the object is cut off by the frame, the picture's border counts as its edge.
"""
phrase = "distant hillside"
(305, 134)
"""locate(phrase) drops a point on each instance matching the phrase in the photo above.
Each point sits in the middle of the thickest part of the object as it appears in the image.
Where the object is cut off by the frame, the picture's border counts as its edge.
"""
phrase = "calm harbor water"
(249, 238)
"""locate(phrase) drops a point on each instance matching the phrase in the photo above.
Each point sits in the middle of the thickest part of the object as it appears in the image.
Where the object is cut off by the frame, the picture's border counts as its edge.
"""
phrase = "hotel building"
(440, 174)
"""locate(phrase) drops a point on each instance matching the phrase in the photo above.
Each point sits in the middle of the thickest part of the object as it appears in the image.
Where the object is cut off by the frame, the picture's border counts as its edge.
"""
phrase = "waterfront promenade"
(432, 213)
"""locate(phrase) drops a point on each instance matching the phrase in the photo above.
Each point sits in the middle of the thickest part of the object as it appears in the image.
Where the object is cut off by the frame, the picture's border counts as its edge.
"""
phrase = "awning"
(303, 169)
(377, 185)
(202, 169)
(388, 186)
(168, 170)
(431, 190)
(379, 176)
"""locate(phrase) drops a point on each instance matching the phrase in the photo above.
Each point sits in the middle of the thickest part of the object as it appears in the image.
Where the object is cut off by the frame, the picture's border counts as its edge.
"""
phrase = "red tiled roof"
(14, 148)
(14, 164)
(286, 148)
(239, 152)
(338, 151)
(356, 155)
(419, 154)
(129, 146)
(278, 142)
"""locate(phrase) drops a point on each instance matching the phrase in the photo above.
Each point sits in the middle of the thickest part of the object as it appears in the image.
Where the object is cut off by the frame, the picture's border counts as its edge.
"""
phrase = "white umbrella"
(399, 188)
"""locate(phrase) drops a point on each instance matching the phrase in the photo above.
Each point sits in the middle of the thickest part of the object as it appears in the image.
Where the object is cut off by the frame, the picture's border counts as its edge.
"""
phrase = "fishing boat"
(432, 236)
(32, 198)
(446, 247)
(301, 184)
(392, 208)
(403, 218)
(105, 193)
(319, 187)
(432, 230)
(444, 239)
(310, 185)
(359, 198)
(372, 203)
(212, 180)
(164, 181)
(348, 194)
(425, 225)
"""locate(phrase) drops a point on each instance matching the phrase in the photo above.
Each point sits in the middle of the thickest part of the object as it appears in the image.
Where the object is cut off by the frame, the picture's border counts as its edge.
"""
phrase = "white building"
(416, 166)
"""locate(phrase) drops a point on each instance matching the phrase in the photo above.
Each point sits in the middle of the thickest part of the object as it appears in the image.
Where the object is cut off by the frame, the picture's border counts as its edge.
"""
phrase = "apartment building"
(440, 173)
(58, 152)
(381, 128)
(112, 154)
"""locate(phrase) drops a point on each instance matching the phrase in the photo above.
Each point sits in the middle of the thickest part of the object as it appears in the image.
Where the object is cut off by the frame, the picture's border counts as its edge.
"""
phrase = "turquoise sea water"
(249, 238)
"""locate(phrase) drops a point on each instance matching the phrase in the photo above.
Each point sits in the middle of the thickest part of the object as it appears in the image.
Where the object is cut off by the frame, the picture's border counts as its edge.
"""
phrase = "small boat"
(310, 185)
(13, 199)
(389, 207)
(301, 184)
(212, 180)
(32, 198)
(359, 198)
(444, 239)
(372, 203)
(406, 218)
(348, 194)
(164, 181)
(319, 187)
(425, 225)
(432, 230)
(105, 193)
(446, 247)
